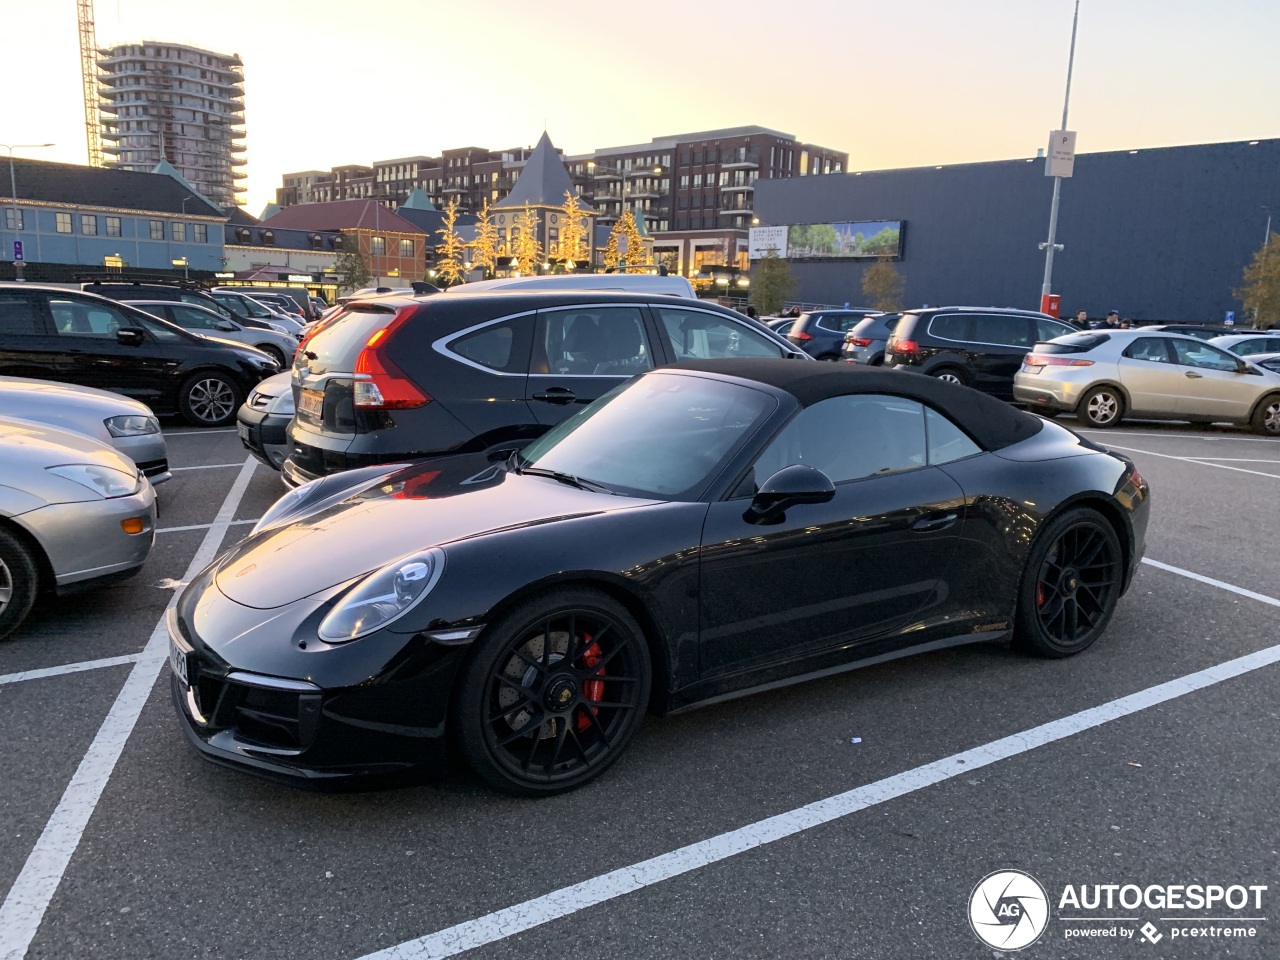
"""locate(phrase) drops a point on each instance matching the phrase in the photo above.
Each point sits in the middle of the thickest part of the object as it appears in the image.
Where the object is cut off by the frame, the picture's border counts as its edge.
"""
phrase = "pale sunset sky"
(893, 82)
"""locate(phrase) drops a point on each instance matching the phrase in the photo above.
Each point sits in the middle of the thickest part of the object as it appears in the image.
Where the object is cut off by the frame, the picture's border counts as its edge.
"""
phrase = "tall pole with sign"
(1059, 164)
(18, 255)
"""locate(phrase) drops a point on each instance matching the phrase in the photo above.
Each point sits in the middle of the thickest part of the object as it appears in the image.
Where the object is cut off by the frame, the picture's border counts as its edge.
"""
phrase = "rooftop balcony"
(740, 159)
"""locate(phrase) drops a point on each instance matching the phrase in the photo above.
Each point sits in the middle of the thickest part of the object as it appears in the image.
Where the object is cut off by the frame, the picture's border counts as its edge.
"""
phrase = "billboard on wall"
(763, 239)
(852, 240)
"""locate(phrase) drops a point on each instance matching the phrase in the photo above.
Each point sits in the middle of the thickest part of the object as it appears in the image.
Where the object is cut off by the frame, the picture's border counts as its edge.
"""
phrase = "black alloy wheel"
(19, 582)
(554, 693)
(1070, 585)
(208, 399)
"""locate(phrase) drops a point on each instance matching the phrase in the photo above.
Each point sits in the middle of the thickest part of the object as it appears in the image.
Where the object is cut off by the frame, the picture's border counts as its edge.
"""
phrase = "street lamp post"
(1052, 246)
(1266, 237)
(18, 265)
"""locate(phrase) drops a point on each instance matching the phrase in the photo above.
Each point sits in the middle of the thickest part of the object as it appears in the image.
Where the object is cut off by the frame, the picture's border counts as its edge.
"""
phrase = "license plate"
(312, 403)
(243, 430)
(178, 663)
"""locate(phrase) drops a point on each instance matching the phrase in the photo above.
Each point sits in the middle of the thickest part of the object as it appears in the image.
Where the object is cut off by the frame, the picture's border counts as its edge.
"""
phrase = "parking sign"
(17, 250)
(1230, 318)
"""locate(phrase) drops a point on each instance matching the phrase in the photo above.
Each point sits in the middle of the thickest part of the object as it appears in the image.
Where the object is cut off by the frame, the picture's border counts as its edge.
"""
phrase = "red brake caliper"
(591, 689)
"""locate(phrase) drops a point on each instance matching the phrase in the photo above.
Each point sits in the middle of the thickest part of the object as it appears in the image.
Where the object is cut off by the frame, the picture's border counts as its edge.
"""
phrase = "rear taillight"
(909, 347)
(801, 336)
(380, 384)
(860, 341)
(1035, 360)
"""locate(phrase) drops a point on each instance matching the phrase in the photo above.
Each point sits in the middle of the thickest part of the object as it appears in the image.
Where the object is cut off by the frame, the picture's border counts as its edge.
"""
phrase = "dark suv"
(180, 292)
(980, 347)
(820, 333)
(49, 333)
(396, 378)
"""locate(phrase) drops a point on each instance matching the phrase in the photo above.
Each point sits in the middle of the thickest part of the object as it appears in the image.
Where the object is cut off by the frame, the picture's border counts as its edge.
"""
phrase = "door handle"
(934, 522)
(1192, 375)
(556, 395)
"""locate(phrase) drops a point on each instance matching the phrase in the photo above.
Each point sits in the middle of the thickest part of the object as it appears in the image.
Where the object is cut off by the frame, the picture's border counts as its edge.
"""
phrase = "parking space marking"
(566, 901)
(42, 672)
(1229, 587)
(1235, 459)
(209, 466)
(199, 433)
(201, 526)
(1202, 463)
(1175, 435)
(28, 899)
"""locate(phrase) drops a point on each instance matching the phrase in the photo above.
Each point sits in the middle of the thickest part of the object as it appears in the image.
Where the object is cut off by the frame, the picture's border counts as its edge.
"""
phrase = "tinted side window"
(500, 346)
(1194, 354)
(849, 438)
(84, 318)
(1050, 330)
(190, 318)
(696, 335)
(18, 315)
(947, 442)
(950, 326)
(1151, 349)
(591, 341)
(1005, 331)
(1249, 347)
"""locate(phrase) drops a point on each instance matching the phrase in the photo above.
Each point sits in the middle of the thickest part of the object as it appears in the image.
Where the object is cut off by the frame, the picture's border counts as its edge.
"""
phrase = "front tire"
(554, 693)
(209, 399)
(275, 353)
(1101, 407)
(19, 582)
(1070, 585)
(1266, 419)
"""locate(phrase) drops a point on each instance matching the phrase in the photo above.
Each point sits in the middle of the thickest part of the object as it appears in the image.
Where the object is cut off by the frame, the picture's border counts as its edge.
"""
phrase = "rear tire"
(19, 582)
(829, 357)
(209, 399)
(1266, 418)
(274, 352)
(950, 375)
(1101, 407)
(553, 694)
(1070, 585)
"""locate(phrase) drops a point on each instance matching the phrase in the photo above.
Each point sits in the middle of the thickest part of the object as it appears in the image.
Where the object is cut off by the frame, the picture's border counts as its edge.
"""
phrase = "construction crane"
(89, 80)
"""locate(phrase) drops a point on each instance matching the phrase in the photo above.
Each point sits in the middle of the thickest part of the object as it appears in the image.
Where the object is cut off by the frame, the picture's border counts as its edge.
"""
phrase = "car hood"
(82, 409)
(30, 445)
(429, 504)
(276, 385)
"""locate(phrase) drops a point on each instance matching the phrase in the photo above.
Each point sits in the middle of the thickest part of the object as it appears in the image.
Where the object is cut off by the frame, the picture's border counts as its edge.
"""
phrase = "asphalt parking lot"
(1143, 761)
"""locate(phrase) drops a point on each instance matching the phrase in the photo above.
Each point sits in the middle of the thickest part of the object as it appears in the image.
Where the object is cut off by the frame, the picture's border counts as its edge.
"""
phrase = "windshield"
(243, 304)
(162, 330)
(665, 436)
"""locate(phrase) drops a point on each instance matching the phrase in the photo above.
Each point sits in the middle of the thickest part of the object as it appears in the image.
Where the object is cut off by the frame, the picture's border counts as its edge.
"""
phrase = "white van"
(645, 283)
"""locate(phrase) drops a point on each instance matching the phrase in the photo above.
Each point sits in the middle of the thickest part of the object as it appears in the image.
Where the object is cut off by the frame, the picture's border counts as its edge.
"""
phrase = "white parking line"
(199, 433)
(1174, 435)
(201, 526)
(1201, 463)
(1229, 587)
(566, 901)
(43, 672)
(28, 899)
(1235, 459)
(208, 466)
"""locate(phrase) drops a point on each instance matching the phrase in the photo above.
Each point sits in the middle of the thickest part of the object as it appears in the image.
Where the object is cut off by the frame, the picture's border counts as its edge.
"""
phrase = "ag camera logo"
(1009, 910)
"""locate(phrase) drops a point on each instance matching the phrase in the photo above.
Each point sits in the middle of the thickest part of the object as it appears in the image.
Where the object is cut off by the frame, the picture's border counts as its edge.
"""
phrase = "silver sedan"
(124, 423)
(1106, 376)
(74, 513)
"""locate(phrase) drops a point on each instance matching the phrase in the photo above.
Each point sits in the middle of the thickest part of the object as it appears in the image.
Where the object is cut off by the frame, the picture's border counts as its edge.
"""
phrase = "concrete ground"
(118, 841)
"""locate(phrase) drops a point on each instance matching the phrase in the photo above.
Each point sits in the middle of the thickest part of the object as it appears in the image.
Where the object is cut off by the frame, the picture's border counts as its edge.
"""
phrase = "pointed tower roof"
(544, 180)
(640, 225)
(167, 169)
(269, 211)
(418, 200)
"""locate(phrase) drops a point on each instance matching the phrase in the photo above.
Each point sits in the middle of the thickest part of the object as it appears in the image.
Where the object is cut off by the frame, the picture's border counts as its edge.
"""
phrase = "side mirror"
(798, 483)
(1242, 366)
(130, 336)
(226, 325)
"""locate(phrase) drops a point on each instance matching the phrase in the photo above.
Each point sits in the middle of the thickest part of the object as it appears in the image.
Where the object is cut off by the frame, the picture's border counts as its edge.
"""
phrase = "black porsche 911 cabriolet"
(700, 532)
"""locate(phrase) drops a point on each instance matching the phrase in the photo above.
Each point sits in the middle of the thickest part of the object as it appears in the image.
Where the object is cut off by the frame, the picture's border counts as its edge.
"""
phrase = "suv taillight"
(909, 347)
(384, 385)
(801, 336)
(860, 341)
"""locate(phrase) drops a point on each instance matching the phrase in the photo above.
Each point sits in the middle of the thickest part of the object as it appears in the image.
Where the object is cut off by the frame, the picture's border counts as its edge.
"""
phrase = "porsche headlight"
(132, 426)
(382, 597)
(104, 481)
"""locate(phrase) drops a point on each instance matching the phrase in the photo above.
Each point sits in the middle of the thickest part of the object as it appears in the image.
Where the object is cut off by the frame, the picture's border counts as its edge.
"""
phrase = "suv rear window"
(950, 326)
(335, 348)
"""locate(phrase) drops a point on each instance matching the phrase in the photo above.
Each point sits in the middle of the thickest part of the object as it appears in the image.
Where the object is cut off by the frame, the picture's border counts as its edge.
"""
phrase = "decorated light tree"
(526, 249)
(450, 252)
(612, 255)
(573, 229)
(484, 249)
(636, 253)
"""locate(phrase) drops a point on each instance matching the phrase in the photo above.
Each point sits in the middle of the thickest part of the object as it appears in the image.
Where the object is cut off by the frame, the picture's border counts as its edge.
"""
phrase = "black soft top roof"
(991, 422)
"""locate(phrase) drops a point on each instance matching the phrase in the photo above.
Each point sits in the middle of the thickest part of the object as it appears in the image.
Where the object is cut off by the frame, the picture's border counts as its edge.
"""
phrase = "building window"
(697, 179)
(62, 222)
(180, 232)
(157, 229)
(13, 219)
(88, 224)
(406, 249)
(113, 226)
(378, 246)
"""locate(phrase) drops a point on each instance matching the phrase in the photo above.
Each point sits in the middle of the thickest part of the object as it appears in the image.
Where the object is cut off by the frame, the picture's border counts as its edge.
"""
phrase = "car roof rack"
(139, 278)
